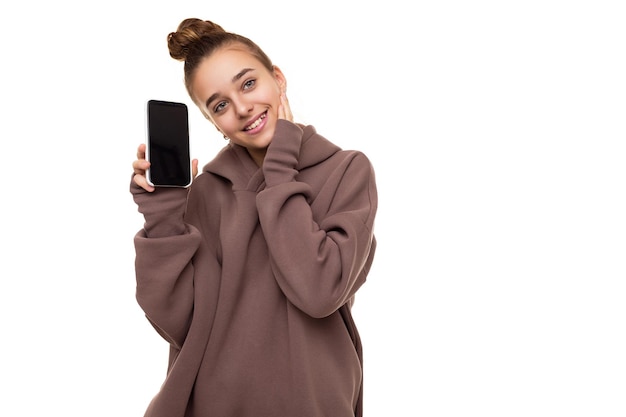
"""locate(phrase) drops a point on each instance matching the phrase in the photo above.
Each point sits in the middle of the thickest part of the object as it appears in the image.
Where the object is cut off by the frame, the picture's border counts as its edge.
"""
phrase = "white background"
(497, 131)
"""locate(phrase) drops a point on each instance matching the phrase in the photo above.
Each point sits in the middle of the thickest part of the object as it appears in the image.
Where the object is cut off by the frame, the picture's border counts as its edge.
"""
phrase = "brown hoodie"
(250, 275)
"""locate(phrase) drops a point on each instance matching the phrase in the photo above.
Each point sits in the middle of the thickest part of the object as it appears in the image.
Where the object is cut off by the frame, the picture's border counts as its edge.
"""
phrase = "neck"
(257, 155)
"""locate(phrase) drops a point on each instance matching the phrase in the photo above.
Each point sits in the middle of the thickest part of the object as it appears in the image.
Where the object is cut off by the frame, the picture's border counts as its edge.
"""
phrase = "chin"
(270, 130)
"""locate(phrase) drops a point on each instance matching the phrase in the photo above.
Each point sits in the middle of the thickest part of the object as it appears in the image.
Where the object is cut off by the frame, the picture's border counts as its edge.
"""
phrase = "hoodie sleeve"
(319, 264)
(163, 252)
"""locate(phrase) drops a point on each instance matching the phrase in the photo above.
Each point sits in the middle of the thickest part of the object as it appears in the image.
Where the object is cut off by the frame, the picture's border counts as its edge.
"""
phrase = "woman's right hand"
(139, 168)
(140, 165)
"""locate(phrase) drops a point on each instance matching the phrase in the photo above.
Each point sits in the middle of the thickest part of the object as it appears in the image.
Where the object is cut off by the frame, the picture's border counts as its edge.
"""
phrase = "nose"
(243, 107)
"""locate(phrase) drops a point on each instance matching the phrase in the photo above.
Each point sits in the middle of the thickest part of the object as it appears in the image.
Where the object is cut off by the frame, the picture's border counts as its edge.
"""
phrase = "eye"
(249, 84)
(219, 107)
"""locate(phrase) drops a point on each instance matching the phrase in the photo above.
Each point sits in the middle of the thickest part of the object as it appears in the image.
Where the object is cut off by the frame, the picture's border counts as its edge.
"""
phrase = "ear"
(280, 79)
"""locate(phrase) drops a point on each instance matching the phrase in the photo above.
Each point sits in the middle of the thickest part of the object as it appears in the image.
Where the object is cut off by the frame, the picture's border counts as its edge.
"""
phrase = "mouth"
(256, 123)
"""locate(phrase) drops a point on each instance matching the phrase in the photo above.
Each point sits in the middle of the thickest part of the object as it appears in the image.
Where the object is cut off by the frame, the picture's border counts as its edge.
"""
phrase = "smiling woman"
(250, 273)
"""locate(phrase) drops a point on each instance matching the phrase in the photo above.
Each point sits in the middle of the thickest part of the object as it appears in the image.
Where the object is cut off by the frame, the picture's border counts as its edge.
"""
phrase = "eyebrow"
(235, 79)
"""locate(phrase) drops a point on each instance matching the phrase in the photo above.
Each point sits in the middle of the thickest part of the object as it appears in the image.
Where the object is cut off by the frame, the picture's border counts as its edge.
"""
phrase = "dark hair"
(196, 39)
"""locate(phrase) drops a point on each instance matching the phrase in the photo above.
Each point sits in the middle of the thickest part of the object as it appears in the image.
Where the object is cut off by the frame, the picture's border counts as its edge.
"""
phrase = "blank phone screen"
(168, 144)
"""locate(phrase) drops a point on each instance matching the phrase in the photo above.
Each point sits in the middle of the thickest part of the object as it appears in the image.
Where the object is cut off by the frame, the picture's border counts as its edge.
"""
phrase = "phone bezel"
(155, 102)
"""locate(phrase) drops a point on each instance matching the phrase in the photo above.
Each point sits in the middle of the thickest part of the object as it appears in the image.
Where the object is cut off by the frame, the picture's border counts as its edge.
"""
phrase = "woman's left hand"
(284, 111)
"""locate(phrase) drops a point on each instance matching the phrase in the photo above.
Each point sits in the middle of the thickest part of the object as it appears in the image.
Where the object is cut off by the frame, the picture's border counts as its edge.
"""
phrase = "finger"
(194, 167)
(286, 108)
(141, 151)
(141, 181)
(140, 166)
(281, 108)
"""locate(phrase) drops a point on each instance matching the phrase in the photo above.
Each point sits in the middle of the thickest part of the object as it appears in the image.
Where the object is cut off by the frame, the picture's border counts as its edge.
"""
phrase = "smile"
(256, 123)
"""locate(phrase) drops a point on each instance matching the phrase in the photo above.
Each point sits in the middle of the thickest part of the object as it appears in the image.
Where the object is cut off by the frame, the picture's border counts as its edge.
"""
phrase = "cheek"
(273, 93)
(223, 125)
(275, 97)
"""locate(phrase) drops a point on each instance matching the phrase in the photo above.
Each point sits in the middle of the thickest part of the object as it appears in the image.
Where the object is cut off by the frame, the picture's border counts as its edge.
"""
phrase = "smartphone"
(167, 144)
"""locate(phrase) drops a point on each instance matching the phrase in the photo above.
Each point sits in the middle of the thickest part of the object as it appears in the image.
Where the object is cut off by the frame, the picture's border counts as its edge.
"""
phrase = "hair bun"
(189, 31)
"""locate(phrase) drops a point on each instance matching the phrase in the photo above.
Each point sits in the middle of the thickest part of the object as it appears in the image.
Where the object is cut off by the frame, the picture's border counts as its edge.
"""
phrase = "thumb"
(194, 168)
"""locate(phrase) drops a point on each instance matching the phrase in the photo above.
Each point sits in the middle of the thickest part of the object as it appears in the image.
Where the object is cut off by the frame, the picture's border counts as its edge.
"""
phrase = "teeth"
(256, 122)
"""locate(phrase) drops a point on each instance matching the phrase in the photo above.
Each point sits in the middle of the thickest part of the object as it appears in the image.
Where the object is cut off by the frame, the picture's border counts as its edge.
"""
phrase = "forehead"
(215, 73)
(228, 57)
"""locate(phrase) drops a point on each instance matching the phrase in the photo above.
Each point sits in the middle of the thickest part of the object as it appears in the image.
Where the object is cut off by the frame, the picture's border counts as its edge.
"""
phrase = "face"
(240, 96)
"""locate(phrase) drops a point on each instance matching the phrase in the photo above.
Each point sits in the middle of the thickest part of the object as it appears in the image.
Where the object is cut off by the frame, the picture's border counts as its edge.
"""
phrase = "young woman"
(250, 273)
